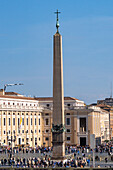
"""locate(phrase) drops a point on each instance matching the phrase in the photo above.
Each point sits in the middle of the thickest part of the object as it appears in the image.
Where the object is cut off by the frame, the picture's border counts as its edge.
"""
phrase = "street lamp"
(12, 139)
(48, 139)
(106, 132)
(111, 133)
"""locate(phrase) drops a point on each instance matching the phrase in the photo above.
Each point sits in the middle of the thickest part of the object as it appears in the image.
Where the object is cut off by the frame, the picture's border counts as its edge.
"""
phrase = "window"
(35, 131)
(47, 130)
(4, 141)
(35, 141)
(8, 113)
(18, 121)
(4, 131)
(68, 138)
(47, 121)
(47, 114)
(4, 113)
(47, 105)
(39, 130)
(31, 121)
(39, 121)
(31, 139)
(22, 131)
(9, 131)
(22, 140)
(27, 121)
(68, 130)
(47, 139)
(13, 121)
(22, 121)
(13, 113)
(35, 121)
(39, 139)
(67, 113)
(4, 121)
(13, 103)
(8, 103)
(68, 104)
(9, 122)
(68, 121)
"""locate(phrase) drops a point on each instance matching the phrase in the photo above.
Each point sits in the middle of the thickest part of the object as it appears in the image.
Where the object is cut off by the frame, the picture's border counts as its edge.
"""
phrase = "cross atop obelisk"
(57, 21)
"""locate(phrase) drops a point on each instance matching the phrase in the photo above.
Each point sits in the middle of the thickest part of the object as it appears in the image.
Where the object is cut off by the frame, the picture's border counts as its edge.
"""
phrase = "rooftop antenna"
(12, 85)
(111, 91)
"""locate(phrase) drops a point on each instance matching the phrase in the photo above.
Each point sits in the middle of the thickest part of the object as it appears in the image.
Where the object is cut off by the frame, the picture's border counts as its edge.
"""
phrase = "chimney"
(2, 92)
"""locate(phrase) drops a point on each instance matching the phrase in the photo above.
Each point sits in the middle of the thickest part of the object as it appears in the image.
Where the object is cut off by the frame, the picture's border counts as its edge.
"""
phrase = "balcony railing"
(82, 133)
(17, 107)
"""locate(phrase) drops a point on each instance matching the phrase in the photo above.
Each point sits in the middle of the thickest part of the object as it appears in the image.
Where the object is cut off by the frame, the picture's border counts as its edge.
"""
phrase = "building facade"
(30, 121)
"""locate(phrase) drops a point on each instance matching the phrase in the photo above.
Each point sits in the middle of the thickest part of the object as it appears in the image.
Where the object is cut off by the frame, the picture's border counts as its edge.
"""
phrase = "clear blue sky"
(26, 46)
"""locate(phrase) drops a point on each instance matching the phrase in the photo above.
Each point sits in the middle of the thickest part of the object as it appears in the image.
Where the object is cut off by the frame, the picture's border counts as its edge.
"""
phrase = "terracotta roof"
(11, 93)
(17, 97)
(51, 98)
(104, 105)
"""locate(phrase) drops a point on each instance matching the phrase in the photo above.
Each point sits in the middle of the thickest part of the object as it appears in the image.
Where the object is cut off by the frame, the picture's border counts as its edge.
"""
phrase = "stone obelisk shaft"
(58, 99)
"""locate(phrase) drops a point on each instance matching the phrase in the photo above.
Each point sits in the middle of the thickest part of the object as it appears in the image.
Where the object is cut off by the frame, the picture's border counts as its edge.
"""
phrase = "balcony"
(82, 133)
(20, 107)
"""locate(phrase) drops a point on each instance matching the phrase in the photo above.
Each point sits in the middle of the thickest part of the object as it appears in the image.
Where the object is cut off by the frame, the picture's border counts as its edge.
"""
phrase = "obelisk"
(58, 127)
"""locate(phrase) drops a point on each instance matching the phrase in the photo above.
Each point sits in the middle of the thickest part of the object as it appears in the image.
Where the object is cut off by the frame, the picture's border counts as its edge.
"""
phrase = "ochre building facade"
(29, 121)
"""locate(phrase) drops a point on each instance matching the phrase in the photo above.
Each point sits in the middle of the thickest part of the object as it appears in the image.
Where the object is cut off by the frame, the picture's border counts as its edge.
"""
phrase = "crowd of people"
(77, 156)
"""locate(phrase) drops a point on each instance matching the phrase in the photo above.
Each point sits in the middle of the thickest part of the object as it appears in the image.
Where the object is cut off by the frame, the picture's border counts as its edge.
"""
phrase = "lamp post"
(111, 133)
(43, 138)
(12, 139)
(48, 139)
(106, 132)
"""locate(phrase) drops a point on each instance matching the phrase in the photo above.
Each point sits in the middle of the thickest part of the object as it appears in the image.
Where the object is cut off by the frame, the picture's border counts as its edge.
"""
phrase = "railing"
(20, 107)
(82, 133)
